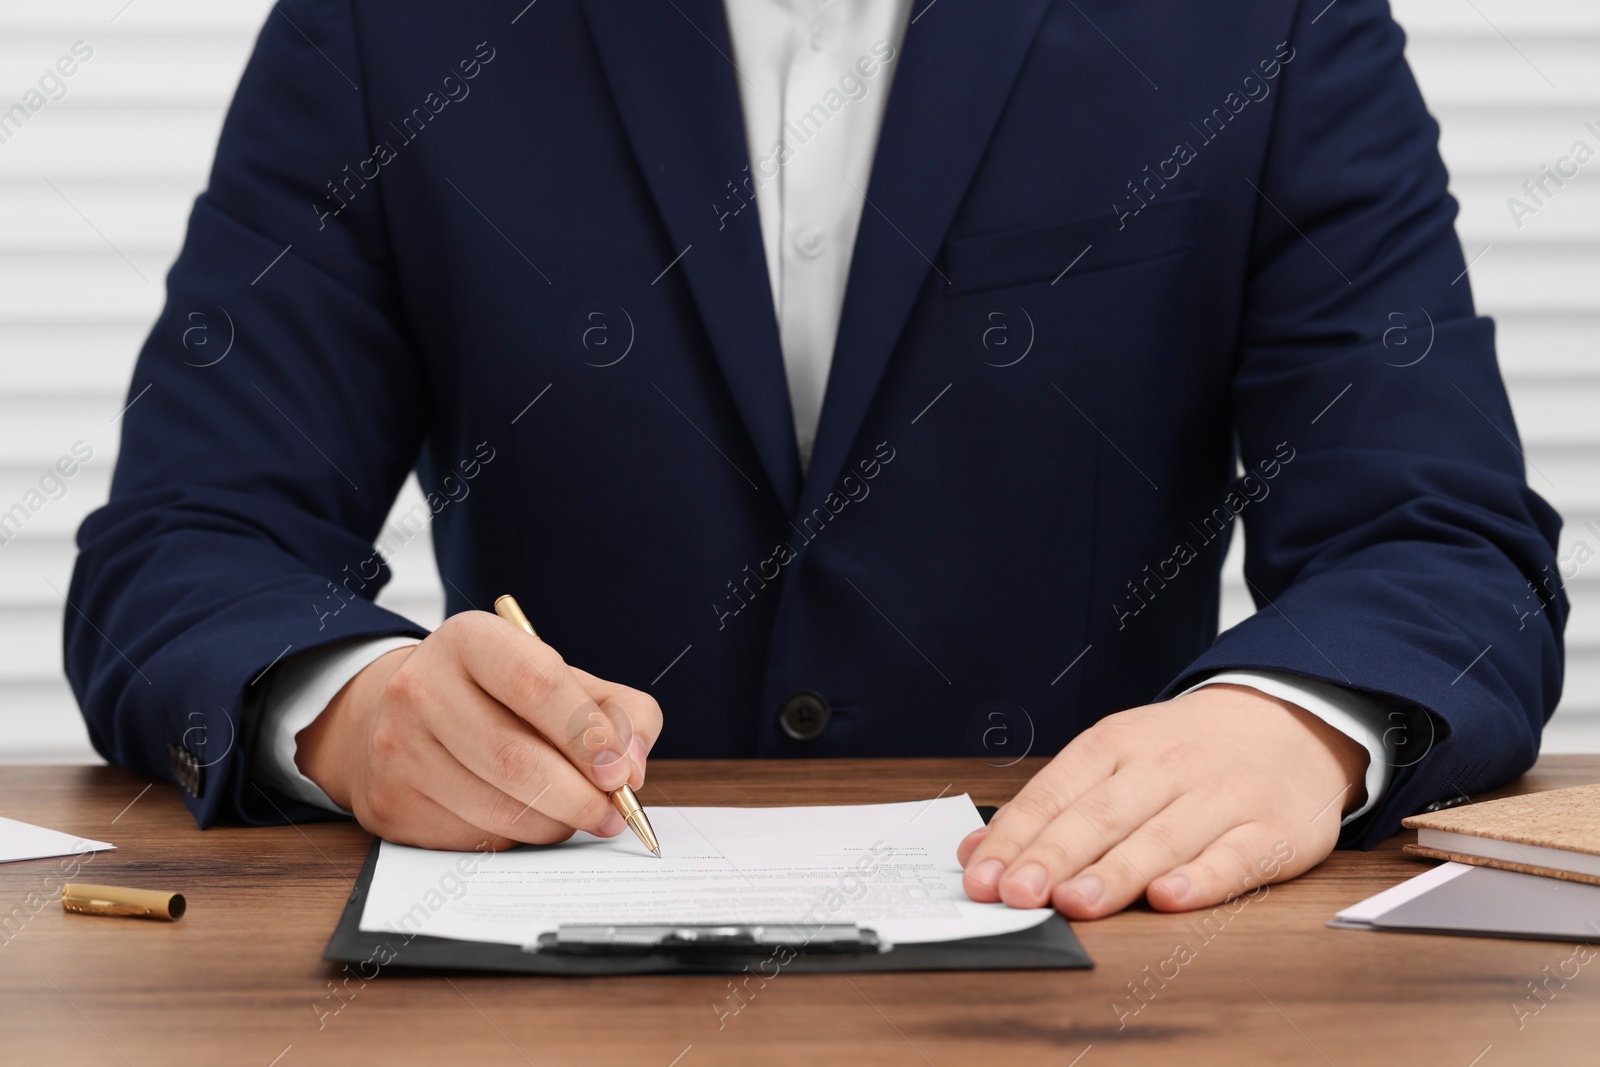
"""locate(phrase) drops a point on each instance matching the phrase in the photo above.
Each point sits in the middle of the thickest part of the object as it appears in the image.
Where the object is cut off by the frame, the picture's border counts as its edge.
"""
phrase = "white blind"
(95, 188)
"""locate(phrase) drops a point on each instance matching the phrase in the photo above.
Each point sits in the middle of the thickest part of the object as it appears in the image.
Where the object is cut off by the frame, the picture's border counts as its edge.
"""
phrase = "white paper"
(1561, 859)
(25, 841)
(890, 867)
(1368, 910)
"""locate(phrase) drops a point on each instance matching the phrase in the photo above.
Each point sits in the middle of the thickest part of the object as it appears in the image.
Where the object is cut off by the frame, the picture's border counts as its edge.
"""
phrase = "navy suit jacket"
(514, 248)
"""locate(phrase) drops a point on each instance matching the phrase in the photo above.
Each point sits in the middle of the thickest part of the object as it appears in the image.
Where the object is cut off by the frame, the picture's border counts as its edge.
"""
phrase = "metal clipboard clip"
(708, 939)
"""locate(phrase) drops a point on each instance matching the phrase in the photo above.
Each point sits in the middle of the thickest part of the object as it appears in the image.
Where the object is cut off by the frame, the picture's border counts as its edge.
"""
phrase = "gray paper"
(1493, 903)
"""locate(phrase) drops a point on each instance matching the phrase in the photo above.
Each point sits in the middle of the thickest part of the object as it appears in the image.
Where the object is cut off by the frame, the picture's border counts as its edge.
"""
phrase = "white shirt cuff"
(1357, 717)
(296, 694)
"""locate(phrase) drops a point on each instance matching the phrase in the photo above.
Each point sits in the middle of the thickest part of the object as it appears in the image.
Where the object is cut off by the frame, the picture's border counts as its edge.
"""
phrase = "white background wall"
(95, 191)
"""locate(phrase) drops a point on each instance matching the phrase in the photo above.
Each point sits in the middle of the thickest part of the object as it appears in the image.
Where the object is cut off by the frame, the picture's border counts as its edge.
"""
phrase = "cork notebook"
(1555, 833)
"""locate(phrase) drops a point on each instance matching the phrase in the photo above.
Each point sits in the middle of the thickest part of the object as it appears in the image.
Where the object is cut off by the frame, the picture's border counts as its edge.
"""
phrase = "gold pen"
(622, 798)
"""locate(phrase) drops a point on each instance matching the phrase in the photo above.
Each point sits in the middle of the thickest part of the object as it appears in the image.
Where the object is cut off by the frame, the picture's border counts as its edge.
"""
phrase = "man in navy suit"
(853, 380)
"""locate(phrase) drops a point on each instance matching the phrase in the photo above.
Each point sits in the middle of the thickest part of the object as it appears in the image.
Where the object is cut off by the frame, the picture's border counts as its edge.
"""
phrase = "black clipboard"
(1049, 946)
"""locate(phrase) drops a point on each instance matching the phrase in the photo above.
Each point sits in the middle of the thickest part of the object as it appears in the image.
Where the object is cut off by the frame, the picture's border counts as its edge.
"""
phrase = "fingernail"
(987, 873)
(638, 752)
(1031, 877)
(1175, 886)
(1088, 888)
(611, 770)
(613, 825)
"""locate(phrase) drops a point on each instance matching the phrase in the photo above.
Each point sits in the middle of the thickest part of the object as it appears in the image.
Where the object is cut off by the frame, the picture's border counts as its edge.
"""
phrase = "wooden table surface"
(240, 979)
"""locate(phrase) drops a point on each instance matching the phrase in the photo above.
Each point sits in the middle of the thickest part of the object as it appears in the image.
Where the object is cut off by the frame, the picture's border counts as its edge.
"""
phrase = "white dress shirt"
(813, 79)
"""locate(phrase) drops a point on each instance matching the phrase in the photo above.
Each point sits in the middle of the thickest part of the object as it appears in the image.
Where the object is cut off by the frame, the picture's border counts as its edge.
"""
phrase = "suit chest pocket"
(1051, 253)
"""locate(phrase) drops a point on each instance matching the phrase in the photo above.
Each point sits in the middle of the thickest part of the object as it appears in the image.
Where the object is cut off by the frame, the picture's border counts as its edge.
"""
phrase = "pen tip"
(657, 851)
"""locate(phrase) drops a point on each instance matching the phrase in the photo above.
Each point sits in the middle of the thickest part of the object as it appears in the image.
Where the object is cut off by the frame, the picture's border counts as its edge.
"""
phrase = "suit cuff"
(1357, 717)
(296, 694)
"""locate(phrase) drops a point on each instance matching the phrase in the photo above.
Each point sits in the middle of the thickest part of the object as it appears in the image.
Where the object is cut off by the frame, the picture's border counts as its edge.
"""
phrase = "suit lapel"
(956, 69)
(679, 102)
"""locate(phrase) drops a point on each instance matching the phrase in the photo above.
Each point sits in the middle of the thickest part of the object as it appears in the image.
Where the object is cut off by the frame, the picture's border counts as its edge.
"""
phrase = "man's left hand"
(1187, 803)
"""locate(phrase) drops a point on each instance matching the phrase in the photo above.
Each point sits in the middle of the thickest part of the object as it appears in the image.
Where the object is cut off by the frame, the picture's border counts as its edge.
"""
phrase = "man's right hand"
(479, 737)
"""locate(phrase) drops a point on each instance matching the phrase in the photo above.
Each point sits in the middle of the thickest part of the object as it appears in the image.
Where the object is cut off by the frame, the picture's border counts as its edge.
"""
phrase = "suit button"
(805, 716)
(187, 770)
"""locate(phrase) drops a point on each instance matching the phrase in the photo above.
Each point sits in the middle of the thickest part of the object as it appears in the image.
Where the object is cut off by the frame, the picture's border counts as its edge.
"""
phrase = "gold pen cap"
(637, 820)
(116, 900)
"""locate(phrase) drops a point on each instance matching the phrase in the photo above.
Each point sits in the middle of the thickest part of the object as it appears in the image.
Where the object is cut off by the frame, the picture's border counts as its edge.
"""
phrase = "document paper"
(25, 841)
(889, 867)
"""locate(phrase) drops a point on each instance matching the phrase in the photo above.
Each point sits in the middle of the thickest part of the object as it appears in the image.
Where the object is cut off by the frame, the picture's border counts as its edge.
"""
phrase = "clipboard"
(593, 951)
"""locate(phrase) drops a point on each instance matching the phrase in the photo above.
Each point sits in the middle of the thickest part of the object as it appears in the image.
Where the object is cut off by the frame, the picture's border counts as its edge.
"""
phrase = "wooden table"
(240, 979)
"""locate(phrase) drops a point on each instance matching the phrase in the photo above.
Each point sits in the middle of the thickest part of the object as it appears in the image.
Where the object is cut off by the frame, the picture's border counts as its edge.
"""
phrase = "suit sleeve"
(277, 407)
(1402, 553)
